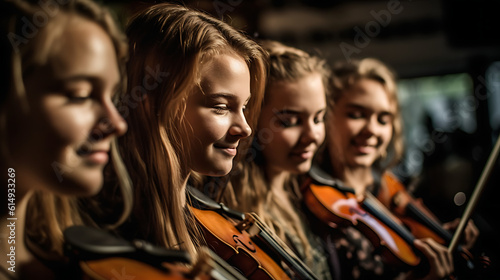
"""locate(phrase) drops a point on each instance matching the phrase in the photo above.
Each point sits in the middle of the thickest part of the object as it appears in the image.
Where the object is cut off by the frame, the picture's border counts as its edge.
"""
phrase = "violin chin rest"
(200, 201)
(321, 177)
(86, 243)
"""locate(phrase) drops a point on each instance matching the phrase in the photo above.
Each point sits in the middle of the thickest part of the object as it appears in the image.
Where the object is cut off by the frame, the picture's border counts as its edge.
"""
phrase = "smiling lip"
(96, 156)
(229, 150)
(364, 149)
(304, 154)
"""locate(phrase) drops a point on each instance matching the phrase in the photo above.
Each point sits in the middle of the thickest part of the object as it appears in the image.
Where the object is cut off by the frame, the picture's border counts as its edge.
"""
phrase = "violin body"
(336, 209)
(419, 220)
(99, 255)
(245, 241)
(122, 268)
(423, 224)
(236, 247)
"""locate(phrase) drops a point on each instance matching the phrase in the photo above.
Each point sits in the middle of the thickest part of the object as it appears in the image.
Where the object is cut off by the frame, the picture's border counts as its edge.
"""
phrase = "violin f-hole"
(250, 247)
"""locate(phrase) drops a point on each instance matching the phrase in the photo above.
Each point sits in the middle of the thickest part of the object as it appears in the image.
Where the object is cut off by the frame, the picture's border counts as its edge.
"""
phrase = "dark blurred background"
(447, 57)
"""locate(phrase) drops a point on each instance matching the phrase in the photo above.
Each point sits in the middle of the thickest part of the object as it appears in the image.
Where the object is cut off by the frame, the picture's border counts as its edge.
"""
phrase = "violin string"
(382, 208)
(282, 244)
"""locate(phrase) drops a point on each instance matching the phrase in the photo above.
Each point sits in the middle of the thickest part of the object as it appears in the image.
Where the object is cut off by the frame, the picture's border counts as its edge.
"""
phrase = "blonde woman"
(290, 130)
(57, 122)
(364, 140)
(195, 87)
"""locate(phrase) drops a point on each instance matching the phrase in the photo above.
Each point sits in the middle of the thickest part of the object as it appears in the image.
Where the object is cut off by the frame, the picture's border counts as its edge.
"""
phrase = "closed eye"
(220, 109)
(78, 96)
(288, 120)
(355, 115)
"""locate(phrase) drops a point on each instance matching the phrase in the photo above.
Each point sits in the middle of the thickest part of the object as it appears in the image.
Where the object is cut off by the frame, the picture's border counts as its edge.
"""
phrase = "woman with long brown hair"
(194, 90)
(290, 130)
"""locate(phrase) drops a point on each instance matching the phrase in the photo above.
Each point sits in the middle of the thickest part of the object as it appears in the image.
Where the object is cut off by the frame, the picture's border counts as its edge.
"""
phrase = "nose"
(111, 122)
(313, 132)
(240, 126)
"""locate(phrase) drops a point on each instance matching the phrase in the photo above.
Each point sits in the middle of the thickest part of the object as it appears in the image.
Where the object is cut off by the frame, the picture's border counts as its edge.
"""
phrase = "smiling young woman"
(58, 124)
(364, 140)
(195, 86)
(290, 130)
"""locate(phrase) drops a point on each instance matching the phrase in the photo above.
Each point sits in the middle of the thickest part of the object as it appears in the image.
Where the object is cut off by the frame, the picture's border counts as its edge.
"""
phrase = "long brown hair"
(168, 43)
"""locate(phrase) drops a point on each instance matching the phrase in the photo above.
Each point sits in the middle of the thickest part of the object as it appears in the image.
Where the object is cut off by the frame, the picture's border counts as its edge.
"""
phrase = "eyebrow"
(356, 106)
(294, 112)
(88, 78)
(286, 112)
(226, 95)
(85, 78)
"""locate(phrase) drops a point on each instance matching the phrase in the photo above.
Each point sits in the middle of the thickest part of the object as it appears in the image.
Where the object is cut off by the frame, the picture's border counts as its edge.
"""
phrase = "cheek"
(283, 141)
(72, 127)
(387, 136)
(321, 134)
(209, 130)
(288, 138)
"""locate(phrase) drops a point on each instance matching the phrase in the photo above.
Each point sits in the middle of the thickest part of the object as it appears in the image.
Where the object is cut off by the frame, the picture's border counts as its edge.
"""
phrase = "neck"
(358, 178)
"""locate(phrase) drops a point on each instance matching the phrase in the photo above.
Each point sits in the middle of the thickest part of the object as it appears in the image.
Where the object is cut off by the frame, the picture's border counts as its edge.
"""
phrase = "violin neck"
(372, 206)
(280, 249)
(420, 217)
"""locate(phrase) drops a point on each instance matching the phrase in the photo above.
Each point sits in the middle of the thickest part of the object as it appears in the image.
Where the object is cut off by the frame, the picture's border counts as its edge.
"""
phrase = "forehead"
(226, 74)
(307, 93)
(78, 46)
(370, 94)
(223, 65)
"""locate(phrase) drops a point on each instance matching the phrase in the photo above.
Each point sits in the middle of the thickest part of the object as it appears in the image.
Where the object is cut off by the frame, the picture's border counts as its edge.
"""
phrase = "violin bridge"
(247, 225)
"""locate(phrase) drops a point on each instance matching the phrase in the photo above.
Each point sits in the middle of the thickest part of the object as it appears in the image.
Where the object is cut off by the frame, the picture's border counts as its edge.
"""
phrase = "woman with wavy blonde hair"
(63, 63)
(364, 140)
(194, 82)
(290, 130)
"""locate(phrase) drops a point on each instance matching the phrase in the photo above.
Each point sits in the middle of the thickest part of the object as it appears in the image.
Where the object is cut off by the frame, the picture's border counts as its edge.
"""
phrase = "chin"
(301, 168)
(363, 163)
(217, 171)
(84, 184)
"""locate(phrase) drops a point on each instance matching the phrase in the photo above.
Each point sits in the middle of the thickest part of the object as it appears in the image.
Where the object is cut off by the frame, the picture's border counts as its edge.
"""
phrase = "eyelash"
(358, 115)
(222, 109)
(286, 122)
(354, 115)
(79, 99)
(79, 96)
(319, 120)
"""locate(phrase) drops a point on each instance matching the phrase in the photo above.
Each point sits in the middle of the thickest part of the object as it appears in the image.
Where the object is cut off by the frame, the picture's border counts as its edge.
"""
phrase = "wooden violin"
(246, 244)
(422, 223)
(100, 255)
(336, 206)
